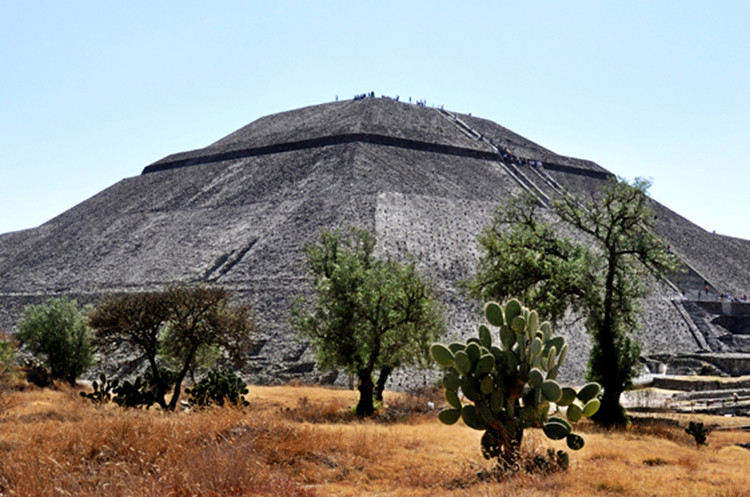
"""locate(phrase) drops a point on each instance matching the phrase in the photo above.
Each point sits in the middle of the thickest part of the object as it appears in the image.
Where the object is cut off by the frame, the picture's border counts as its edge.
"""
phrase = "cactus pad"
(463, 363)
(494, 314)
(449, 416)
(551, 390)
(441, 354)
(567, 397)
(518, 324)
(591, 407)
(507, 337)
(452, 397)
(485, 364)
(472, 418)
(485, 338)
(574, 441)
(555, 430)
(574, 413)
(536, 378)
(588, 392)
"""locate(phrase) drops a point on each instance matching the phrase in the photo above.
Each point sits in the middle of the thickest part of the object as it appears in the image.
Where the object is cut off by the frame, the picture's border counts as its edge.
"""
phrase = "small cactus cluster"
(127, 394)
(219, 387)
(102, 390)
(137, 393)
(505, 388)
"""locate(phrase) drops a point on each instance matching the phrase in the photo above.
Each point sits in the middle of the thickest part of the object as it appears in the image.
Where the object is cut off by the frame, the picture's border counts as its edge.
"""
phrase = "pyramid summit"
(427, 180)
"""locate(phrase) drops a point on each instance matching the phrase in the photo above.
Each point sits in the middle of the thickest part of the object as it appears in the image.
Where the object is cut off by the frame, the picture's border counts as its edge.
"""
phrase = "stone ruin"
(425, 179)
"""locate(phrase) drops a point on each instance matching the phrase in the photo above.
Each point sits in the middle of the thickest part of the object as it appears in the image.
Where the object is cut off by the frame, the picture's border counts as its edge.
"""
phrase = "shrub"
(56, 333)
(138, 393)
(9, 373)
(698, 431)
(36, 373)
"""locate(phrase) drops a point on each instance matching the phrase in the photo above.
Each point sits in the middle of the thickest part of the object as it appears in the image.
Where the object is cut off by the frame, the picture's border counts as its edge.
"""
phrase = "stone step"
(695, 383)
(728, 409)
(716, 395)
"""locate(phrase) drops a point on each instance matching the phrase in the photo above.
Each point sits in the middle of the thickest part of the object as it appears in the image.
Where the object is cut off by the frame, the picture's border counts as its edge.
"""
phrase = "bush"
(36, 373)
(698, 431)
(56, 333)
(9, 373)
(138, 393)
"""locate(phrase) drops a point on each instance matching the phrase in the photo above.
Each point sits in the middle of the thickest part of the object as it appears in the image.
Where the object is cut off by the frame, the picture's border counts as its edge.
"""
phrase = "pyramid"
(427, 180)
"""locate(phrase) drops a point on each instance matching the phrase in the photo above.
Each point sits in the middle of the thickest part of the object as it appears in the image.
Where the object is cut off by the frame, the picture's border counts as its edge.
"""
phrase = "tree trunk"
(366, 389)
(512, 448)
(385, 371)
(180, 377)
(176, 391)
(610, 413)
(158, 382)
(504, 446)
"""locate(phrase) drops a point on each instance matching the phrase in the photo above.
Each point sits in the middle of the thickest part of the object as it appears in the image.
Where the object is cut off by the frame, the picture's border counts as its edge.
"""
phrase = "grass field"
(301, 441)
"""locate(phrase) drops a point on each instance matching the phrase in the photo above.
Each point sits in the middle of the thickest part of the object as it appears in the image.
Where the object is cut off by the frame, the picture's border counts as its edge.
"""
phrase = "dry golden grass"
(300, 441)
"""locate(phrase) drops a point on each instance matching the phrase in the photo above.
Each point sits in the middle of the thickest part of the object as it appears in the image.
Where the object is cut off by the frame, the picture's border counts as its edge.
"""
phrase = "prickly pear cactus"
(507, 387)
(102, 390)
(219, 387)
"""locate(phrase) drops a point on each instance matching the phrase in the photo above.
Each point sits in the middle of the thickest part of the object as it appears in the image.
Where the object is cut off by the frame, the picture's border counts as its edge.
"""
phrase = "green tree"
(175, 326)
(56, 332)
(133, 323)
(202, 318)
(367, 315)
(527, 254)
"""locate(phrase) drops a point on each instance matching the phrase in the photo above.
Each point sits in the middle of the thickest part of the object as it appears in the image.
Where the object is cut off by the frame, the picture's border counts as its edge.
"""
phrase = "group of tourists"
(510, 158)
(722, 296)
(731, 298)
(363, 96)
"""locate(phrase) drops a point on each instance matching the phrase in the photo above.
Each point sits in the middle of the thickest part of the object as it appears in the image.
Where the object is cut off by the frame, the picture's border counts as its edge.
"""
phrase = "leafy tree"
(528, 255)
(201, 318)
(57, 333)
(177, 325)
(367, 314)
(133, 322)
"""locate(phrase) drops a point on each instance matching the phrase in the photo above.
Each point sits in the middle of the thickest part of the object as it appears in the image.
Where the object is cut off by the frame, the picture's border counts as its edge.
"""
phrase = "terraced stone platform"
(426, 180)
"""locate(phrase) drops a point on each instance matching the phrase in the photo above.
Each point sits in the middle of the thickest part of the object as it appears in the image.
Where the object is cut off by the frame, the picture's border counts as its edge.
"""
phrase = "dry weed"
(55, 443)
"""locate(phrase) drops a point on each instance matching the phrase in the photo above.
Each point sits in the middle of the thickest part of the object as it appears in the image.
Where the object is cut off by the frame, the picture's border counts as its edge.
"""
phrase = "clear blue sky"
(91, 92)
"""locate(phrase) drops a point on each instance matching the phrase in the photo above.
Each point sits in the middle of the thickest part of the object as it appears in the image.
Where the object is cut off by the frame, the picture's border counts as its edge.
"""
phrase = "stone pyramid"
(426, 180)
